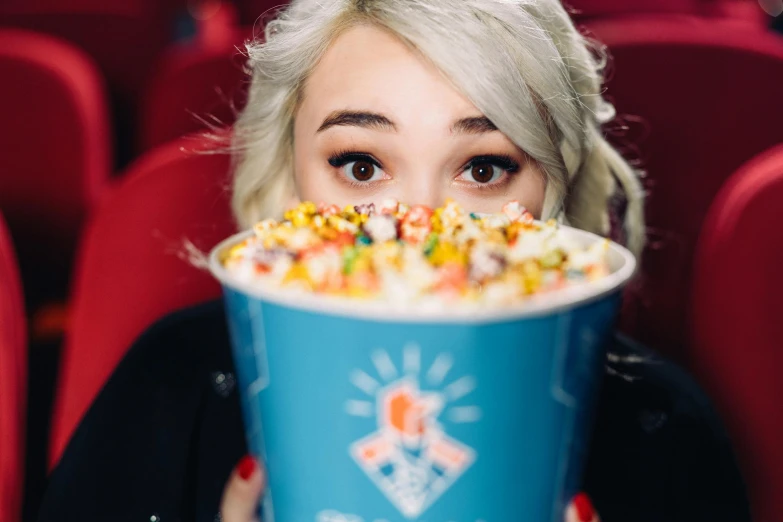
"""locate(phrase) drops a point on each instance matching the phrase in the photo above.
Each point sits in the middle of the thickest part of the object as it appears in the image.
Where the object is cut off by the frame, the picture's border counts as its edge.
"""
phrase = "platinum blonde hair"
(522, 63)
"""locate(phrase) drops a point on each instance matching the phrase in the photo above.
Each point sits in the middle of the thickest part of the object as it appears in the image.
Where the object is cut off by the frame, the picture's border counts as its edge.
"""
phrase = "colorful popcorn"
(393, 252)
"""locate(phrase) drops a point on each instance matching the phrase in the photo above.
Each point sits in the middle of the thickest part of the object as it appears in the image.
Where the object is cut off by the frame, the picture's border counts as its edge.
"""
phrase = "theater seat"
(590, 9)
(736, 327)
(742, 11)
(133, 266)
(57, 156)
(123, 37)
(196, 85)
(254, 12)
(698, 98)
(13, 382)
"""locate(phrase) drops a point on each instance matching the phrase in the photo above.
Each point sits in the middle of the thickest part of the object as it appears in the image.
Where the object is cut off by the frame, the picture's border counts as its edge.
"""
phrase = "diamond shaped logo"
(410, 457)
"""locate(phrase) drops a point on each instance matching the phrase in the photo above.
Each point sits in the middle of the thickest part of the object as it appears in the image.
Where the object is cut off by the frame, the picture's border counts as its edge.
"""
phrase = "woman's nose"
(424, 188)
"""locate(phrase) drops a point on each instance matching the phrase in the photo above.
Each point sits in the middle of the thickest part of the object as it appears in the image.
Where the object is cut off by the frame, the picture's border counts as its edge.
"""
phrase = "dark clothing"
(162, 438)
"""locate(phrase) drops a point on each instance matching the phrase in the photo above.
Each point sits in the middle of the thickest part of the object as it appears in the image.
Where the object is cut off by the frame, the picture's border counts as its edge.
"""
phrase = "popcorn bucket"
(368, 415)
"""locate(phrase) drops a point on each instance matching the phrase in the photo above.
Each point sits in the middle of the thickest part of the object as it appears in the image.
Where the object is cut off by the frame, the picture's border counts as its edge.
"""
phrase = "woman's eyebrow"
(473, 125)
(368, 120)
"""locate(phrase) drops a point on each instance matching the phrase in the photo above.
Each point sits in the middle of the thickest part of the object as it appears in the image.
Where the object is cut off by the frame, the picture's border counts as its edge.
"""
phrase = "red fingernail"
(246, 467)
(584, 508)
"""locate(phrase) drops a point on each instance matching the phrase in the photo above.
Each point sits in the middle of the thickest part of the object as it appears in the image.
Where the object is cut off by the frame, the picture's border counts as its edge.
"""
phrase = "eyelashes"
(483, 173)
(502, 161)
(343, 158)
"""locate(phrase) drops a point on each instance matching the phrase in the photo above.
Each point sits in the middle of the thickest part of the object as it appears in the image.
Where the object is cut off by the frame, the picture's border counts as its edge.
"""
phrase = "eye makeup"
(344, 157)
(504, 162)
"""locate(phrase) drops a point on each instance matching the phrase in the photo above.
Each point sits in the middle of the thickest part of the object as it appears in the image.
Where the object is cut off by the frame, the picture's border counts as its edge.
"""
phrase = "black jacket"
(160, 441)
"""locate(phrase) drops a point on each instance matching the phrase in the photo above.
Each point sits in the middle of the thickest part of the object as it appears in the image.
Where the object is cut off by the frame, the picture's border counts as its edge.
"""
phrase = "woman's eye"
(482, 173)
(357, 168)
(362, 171)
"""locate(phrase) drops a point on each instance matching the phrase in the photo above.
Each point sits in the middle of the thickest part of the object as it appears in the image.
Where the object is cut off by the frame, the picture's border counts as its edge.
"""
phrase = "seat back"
(742, 11)
(123, 37)
(737, 332)
(587, 9)
(13, 380)
(196, 86)
(254, 12)
(56, 158)
(703, 97)
(133, 266)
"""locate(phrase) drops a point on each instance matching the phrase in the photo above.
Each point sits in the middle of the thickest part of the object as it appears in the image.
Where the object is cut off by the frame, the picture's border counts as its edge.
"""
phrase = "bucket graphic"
(367, 415)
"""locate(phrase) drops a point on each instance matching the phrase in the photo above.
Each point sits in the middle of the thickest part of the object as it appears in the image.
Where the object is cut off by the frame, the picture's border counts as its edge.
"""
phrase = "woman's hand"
(581, 510)
(246, 485)
(243, 492)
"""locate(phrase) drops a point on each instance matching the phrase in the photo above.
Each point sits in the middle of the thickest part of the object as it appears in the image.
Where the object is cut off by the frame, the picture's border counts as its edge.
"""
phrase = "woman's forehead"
(367, 68)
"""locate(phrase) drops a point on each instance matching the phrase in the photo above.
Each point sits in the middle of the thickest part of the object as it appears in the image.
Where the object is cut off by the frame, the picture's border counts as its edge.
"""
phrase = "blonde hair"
(521, 62)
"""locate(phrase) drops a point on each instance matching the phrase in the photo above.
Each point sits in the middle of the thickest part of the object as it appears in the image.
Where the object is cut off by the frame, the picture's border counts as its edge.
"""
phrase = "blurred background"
(108, 185)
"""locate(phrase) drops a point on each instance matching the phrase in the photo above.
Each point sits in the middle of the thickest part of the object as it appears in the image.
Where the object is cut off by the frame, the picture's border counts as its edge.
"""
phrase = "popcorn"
(468, 231)
(324, 266)
(513, 210)
(264, 227)
(327, 211)
(446, 252)
(452, 278)
(302, 238)
(341, 224)
(388, 207)
(416, 224)
(451, 215)
(486, 262)
(367, 210)
(381, 228)
(527, 246)
(497, 221)
(403, 254)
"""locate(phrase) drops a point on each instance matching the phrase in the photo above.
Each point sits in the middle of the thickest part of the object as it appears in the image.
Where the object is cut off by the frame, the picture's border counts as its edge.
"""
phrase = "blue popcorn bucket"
(365, 414)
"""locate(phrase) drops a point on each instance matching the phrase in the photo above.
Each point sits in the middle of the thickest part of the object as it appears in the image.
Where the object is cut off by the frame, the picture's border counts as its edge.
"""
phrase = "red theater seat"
(743, 11)
(57, 157)
(132, 267)
(736, 325)
(588, 9)
(195, 86)
(123, 37)
(705, 97)
(729, 10)
(13, 381)
(253, 12)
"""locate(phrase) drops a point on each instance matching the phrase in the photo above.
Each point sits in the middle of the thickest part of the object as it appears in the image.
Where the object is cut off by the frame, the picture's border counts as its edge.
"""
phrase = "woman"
(353, 101)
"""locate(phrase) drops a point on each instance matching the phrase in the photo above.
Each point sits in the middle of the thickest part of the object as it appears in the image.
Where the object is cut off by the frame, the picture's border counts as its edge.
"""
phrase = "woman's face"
(377, 121)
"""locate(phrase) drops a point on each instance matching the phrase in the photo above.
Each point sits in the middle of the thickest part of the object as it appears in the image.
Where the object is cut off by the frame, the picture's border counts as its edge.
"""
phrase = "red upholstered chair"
(123, 37)
(705, 97)
(13, 381)
(253, 12)
(736, 325)
(55, 139)
(196, 85)
(743, 11)
(588, 9)
(133, 268)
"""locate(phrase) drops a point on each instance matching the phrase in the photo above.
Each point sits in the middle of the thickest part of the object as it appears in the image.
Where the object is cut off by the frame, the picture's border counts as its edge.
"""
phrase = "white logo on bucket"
(410, 457)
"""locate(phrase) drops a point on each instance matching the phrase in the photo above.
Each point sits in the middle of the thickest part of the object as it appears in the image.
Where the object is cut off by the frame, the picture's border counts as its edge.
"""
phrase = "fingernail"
(246, 467)
(584, 508)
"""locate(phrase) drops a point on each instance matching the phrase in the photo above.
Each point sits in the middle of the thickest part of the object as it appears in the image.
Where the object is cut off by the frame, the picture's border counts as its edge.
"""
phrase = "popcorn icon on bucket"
(410, 458)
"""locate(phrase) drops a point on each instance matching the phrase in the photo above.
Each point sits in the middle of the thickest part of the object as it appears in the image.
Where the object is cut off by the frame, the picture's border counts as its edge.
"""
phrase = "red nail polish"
(584, 508)
(246, 467)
